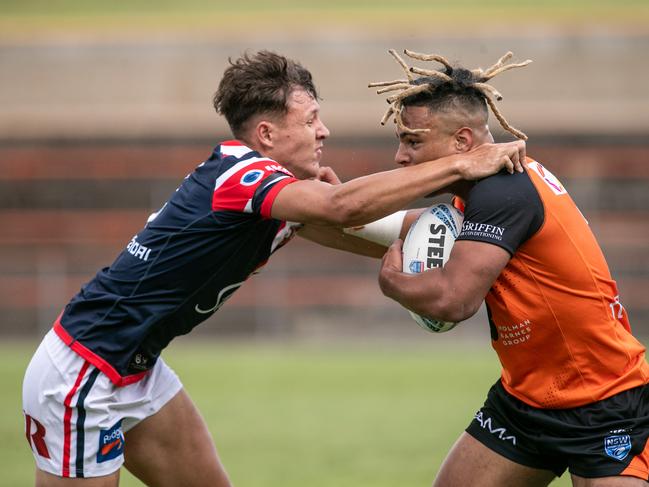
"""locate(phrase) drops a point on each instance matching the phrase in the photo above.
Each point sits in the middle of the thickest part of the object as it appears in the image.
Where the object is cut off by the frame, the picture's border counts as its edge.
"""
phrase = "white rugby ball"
(427, 246)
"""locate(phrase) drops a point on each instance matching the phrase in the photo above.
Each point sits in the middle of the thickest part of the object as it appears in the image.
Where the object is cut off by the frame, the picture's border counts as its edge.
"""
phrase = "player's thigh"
(174, 447)
(471, 464)
(44, 479)
(608, 482)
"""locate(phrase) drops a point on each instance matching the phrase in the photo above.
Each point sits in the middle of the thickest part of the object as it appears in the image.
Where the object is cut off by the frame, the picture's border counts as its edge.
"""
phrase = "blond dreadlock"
(409, 87)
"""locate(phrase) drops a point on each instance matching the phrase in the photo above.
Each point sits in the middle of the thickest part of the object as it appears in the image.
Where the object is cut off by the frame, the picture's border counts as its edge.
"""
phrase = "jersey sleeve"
(504, 210)
(250, 187)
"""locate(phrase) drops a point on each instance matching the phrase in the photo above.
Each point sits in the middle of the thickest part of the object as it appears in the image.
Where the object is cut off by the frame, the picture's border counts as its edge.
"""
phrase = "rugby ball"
(428, 245)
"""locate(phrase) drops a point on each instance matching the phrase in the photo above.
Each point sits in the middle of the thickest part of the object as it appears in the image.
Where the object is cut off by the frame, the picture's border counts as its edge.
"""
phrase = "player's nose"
(401, 157)
(323, 131)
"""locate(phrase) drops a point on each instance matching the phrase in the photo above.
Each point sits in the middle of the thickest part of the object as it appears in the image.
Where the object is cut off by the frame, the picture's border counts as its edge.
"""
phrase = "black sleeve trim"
(264, 187)
(504, 210)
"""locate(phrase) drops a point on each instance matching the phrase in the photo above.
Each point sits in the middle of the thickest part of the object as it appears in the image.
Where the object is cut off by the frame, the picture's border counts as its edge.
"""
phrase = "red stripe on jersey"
(234, 193)
(236, 187)
(95, 359)
(67, 416)
(267, 205)
(229, 202)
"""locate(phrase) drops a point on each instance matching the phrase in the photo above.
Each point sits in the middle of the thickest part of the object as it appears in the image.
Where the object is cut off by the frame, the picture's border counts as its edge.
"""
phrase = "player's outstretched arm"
(336, 238)
(371, 240)
(369, 198)
(450, 293)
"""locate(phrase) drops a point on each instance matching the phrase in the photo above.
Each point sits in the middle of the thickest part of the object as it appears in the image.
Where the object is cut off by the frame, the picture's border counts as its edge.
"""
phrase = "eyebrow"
(406, 135)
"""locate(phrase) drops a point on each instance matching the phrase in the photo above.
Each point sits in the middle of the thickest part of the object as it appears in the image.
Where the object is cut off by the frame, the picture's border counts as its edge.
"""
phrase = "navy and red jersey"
(200, 247)
(557, 323)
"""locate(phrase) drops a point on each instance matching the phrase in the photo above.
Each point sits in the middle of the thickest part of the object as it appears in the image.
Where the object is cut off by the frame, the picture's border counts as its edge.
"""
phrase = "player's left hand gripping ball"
(427, 246)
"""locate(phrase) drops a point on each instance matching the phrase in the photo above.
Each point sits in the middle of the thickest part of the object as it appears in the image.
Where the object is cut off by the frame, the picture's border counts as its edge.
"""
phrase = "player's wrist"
(391, 282)
(383, 231)
(386, 282)
(461, 165)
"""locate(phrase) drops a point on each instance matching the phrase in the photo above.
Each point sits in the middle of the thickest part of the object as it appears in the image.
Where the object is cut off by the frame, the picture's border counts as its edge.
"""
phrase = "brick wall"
(67, 208)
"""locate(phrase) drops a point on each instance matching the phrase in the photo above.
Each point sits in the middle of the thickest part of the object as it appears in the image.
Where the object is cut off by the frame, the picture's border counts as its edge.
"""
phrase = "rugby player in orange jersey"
(573, 392)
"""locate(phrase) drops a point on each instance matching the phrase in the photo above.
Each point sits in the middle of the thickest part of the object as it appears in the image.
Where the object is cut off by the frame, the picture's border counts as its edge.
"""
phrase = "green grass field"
(38, 18)
(282, 415)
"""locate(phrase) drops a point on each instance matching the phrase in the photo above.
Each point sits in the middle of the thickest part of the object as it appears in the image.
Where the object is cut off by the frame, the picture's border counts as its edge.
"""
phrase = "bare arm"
(451, 293)
(368, 198)
(336, 238)
(410, 218)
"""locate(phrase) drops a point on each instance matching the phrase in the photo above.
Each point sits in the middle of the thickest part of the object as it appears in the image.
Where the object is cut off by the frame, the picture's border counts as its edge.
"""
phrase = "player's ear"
(463, 139)
(264, 133)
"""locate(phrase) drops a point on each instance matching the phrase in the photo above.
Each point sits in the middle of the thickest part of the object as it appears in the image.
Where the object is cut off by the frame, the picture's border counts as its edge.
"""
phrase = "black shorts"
(602, 439)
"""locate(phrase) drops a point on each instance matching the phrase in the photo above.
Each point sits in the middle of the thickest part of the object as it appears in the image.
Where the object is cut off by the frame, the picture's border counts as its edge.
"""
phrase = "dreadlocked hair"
(444, 88)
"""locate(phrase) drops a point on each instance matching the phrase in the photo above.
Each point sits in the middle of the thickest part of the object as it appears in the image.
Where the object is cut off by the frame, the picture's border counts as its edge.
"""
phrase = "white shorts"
(75, 417)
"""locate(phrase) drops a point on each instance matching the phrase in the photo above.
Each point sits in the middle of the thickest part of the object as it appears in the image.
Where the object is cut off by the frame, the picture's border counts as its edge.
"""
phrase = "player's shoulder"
(503, 178)
(235, 150)
(505, 188)
(235, 156)
(508, 195)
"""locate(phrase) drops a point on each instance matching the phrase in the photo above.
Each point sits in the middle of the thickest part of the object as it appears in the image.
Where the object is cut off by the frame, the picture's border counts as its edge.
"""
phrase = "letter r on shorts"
(35, 434)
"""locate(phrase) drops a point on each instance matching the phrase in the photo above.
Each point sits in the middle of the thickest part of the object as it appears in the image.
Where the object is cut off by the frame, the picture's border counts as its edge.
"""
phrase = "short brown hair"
(259, 84)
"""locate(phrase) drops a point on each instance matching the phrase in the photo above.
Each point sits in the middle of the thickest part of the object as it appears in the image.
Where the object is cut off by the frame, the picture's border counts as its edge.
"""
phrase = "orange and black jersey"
(557, 322)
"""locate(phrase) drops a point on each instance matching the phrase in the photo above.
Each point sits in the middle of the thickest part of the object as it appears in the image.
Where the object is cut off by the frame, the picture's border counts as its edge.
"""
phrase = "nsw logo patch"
(617, 446)
(111, 443)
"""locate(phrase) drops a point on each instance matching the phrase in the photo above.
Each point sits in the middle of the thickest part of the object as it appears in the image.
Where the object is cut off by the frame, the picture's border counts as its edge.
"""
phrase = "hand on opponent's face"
(488, 159)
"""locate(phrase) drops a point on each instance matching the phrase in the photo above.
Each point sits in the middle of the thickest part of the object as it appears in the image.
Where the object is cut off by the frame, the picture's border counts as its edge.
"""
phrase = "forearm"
(409, 220)
(450, 293)
(427, 295)
(335, 238)
(371, 197)
(368, 198)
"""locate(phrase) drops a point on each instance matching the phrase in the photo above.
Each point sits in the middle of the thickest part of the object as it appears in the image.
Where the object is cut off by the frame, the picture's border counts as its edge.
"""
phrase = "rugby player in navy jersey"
(97, 394)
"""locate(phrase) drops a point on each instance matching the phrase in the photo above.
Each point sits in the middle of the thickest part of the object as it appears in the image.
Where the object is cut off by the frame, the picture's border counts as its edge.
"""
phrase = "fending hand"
(488, 159)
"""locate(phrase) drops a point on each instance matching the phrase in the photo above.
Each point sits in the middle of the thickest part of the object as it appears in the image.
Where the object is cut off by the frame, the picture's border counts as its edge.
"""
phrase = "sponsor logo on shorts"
(617, 446)
(111, 443)
(486, 424)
